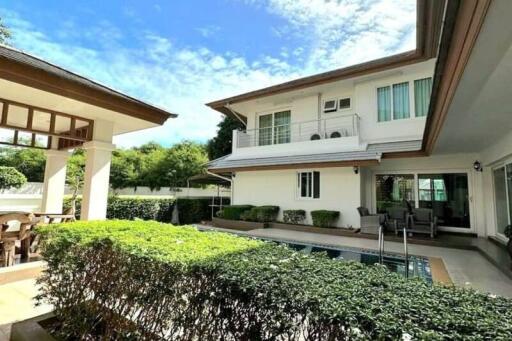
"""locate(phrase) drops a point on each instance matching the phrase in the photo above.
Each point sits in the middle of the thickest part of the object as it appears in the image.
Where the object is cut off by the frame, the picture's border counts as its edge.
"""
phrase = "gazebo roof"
(40, 101)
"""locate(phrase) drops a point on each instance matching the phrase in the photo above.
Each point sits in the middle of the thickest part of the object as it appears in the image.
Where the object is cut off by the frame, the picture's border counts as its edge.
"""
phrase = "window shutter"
(316, 185)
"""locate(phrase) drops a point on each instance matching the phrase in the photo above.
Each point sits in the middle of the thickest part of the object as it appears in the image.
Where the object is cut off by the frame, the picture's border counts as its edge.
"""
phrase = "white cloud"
(182, 79)
(344, 32)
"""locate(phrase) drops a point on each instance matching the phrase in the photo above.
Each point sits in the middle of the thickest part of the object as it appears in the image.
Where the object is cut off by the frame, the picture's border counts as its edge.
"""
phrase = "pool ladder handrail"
(381, 249)
(406, 254)
(381, 244)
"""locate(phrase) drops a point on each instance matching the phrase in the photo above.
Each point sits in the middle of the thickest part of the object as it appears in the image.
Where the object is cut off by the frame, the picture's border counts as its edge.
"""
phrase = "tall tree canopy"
(221, 144)
(148, 165)
(5, 34)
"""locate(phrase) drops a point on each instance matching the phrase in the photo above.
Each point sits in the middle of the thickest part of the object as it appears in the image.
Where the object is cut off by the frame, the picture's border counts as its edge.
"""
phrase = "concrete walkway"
(466, 268)
(17, 304)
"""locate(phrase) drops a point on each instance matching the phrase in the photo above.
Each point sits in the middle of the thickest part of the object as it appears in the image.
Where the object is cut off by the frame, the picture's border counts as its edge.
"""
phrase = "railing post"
(381, 244)
(406, 253)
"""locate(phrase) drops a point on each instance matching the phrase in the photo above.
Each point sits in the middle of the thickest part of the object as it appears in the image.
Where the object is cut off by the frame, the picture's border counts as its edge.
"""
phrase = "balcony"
(333, 134)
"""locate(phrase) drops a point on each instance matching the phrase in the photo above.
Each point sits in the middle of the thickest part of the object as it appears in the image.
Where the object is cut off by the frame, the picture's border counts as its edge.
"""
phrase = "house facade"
(427, 126)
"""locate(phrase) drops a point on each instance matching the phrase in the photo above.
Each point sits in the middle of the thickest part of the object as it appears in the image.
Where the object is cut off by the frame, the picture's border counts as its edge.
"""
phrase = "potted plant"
(508, 234)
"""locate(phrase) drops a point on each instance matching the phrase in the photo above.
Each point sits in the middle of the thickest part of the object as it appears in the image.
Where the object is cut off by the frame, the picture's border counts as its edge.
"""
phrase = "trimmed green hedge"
(146, 280)
(261, 214)
(294, 216)
(130, 208)
(324, 218)
(233, 212)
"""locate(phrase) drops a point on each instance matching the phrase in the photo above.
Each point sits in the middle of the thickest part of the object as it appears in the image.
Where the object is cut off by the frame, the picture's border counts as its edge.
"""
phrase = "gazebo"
(45, 106)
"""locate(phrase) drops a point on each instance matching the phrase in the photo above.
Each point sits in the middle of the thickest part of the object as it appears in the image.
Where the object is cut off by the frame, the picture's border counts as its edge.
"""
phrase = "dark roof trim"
(463, 22)
(428, 27)
(25, 69)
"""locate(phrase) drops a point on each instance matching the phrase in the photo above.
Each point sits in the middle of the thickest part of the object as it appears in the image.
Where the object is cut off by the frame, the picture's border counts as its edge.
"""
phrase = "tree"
(30, 162)
(75, 173)
(221, 144)
(173, 166)
(11, 178)
(5, 33)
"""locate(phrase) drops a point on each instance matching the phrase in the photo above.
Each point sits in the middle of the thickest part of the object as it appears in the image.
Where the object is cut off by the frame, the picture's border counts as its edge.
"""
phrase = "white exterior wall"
(339, 191)
(458, 163)
(494, 156)
(304, 106)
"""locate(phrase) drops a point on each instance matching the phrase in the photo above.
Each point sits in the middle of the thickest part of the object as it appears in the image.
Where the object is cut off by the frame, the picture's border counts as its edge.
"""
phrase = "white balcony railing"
(327, 128)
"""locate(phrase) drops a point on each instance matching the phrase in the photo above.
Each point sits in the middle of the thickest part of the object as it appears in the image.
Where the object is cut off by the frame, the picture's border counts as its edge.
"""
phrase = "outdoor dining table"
(54, 216)
(9, 237)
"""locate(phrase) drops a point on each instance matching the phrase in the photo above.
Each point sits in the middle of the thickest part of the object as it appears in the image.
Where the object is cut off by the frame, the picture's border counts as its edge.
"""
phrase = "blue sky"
(182, 54)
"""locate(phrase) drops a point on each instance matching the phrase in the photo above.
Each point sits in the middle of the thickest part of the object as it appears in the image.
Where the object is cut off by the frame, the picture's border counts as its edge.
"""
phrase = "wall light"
(477, 166)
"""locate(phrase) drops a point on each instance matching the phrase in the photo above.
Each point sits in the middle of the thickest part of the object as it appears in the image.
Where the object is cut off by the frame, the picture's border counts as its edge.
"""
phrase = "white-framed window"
(308, 185)
(396, 102)
(274, 128)
(345, 103)
(330, 105)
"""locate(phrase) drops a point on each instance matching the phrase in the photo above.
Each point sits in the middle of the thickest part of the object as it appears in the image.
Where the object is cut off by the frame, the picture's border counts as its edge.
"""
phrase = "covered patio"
(47, 107)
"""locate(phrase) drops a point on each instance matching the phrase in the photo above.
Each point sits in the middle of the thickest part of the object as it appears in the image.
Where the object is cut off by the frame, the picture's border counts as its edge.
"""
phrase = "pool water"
(418, 266)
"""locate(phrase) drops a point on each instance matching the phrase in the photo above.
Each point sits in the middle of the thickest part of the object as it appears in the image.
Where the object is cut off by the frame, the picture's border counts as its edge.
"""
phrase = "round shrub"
(10, 177)
(294, 216)
(324, 218)
(146, 280)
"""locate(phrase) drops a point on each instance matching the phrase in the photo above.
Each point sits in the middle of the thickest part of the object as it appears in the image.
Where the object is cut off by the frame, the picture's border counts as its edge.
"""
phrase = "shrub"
(190, 210)
(249, 215)
(508, 231)
(294, 216)
(266, 214)
(10, 177)
(233, 212)
(324, 218)
(146, 280)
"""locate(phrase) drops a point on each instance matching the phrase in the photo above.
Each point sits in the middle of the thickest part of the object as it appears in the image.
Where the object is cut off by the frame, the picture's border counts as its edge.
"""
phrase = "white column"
(54, 181)
(96, 180)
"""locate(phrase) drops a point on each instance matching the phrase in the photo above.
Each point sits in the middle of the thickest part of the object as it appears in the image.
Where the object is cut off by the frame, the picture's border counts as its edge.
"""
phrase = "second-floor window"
(274, 128)
(393, 101)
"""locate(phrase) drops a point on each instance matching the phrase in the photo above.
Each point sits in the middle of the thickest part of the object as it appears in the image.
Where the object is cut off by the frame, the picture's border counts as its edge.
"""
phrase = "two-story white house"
(378, 133)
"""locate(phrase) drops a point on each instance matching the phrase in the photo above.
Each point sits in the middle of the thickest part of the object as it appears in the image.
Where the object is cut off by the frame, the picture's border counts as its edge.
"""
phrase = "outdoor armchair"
(370, 222)
(422, 220)
(397, 218)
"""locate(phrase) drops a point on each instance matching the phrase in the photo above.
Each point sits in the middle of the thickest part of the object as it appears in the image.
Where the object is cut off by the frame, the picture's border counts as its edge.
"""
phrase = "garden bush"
(10, 177)
(261, 214)
(324, 218)
(233, 212)
(294, 216)
(190, 210)
(147, 280)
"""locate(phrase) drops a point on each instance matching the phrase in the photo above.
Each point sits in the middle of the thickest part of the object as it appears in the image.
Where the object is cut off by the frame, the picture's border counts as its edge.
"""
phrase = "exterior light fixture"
(477, 166)
(356, 169)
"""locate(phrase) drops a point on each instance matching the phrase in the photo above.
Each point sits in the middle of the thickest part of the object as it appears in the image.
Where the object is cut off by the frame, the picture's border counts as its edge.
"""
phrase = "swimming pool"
(418, 266)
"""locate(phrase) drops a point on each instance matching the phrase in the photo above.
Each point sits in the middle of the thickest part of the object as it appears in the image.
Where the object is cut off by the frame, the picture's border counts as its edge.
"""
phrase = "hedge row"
(146, 280)
(265, 214)
(130, 208)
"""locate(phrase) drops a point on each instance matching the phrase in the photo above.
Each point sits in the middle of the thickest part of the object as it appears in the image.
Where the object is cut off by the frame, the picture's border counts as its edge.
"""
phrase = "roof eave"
(37, 78)
(429, 23)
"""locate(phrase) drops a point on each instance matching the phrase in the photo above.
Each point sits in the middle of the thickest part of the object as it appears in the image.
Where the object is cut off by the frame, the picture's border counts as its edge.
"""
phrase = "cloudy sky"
(182, 54)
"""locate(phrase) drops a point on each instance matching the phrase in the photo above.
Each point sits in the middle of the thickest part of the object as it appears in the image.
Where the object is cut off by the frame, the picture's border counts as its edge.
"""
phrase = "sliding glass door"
(503, 196)
(394, 190)
(448, 196)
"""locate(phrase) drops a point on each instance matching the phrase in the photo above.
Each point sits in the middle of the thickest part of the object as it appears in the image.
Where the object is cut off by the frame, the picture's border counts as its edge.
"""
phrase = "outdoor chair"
(422, 220)
(23, 224)
(370, 222)
(397, 218)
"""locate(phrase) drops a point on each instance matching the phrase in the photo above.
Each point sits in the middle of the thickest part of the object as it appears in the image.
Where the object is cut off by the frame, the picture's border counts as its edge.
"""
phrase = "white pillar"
(54, 181)
(96, 180)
